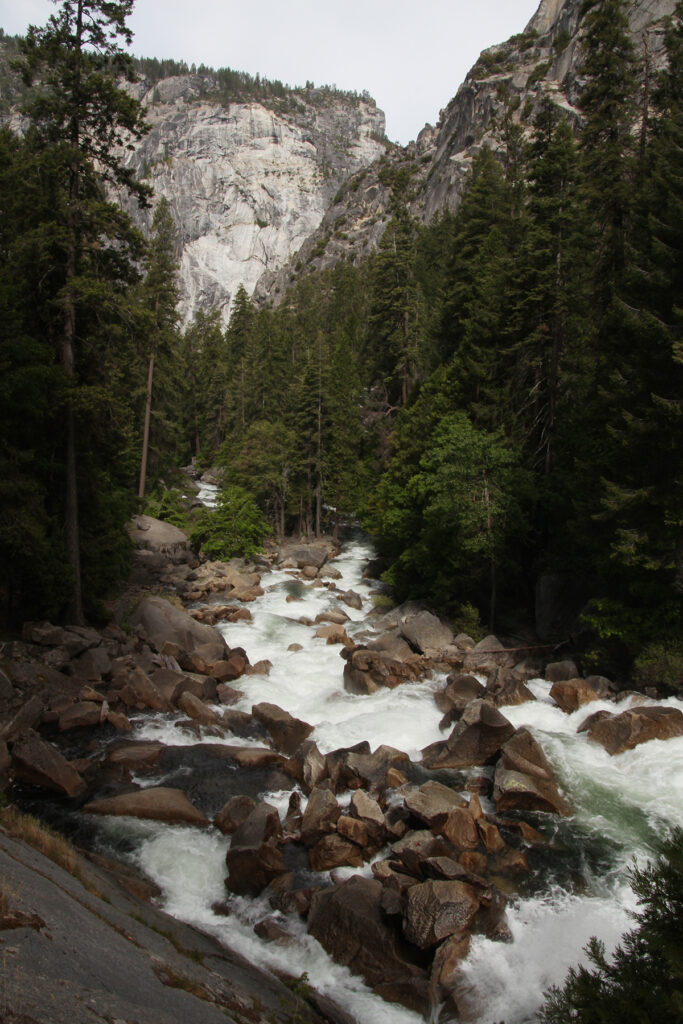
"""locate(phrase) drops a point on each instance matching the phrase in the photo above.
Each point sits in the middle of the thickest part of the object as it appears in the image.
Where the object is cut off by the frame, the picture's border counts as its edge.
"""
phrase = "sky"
(410, 55)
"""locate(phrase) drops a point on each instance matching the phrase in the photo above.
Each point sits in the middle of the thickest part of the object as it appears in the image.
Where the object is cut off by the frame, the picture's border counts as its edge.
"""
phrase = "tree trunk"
(145, 430)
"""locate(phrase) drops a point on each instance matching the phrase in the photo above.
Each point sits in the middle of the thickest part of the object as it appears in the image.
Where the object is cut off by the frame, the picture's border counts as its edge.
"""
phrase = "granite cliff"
(544, 59)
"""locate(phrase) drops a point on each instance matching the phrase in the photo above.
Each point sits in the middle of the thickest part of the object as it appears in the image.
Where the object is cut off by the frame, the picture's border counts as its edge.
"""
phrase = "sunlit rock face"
(246, 184)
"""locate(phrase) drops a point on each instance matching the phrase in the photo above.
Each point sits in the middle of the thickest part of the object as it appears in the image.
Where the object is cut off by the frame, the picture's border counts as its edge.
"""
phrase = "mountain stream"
(578, 887)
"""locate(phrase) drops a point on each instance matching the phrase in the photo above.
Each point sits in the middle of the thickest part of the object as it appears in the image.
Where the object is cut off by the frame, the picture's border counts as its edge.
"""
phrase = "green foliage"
(642, 983)
(236, 528)
(168, 505)
(661, 665)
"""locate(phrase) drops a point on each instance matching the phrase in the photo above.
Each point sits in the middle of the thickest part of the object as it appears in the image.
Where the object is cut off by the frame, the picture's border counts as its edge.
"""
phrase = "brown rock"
(287, 733)
(353, 830)
(162, 621)
(227, 694)
(475, 740)
(139, 691)
(159, 803)
(135, 755)
(27, 717)
(557, 671)
(320, 816)
(333, 634)
(197, 710)
(490, 836)
(307, 765)
(524, 779)
(119, 721)
(368, 811)
(233, 814)
(571, 694)
(487, 657)
(460, 689)
(460, 829)
(81, 715)
(254, 859)
(639, 725)
(447, 960)
(432, 803)
(473, 862)
(334, 851)
(436, 909)
(40, 764)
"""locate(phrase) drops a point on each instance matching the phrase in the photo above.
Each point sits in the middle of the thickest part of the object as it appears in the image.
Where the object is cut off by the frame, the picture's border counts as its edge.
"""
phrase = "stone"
(426, 633)
(158, 803)
(487, 657)
(334, 851)
(349, 923)
(525, 780)
(135, 755)
(572, 694)
(475, 740)
(432, 803)
(320, 816)
(254, 858)
(228, 694)
(366, 671)
(332, 634)
(460, 689)
(40, 764)
(162, 621)
(447, 960)
(505, 689)
(197, 710)
(558, 671)
(369, 813)
(81, 715)
(138, 691)
(354, 830)
(591, 720)
(638, 725)
(287, 732)
(160, 538)
(351, 598)
(93, 664)
(436, 909)
(307, 765)
(460, 829)
(27, 717)
(233, 814)
(490, 836)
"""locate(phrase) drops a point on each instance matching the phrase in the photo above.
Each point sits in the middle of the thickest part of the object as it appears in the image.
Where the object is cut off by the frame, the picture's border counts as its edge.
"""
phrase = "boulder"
(233, 814)
(83, 714)
(558, 671)
(475, 740)
(195, 709)
(349, 923)
(320, 816)
(487, 657)
(417, 847)
(369, 813)
(460, 689)
(393, 644)
(432, 803)
(135, 755)
(524, 779)
(639, 725)
(460, 829)
(437, 909)
(254, 858)
(335, 851)
(160, 538)
(40, 764)
(366, 671)
(27, 717)
(138, 691)
(94, 663)
(287, 732)
(228, 694)
(163, 622)
(307, 765)
(572, 694)
(332, 634)
(505, 689)
(358, 767)
(351, 598)
(158, 803)
(305, 554)
(426, 633)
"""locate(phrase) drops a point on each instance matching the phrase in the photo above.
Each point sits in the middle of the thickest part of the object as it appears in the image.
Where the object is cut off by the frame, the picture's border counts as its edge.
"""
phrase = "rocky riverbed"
(199, 738)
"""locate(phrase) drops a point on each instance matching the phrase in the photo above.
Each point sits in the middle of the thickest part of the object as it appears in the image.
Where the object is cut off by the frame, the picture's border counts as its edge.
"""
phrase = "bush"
(169, 506)
(643, 982)
(660, 664)
(236, 528)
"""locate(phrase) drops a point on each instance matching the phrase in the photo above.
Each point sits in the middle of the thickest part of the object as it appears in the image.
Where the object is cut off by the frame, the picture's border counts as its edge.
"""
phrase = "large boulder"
(163, 622)
(432, 803)
(475, 740)
(349, 923)
(460, 689)
(524, 779)
(160, 538)
(320, 816)
(572, 694)
(40, 764)
(487, 657)
(307, 765)
(639, 725)
(438, 909)
(158, 803)
(254, 858)
(427, 634)
(367, 670)
(286, 732)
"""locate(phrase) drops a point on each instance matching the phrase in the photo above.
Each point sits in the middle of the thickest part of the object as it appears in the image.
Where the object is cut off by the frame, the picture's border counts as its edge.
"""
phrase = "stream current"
(578, 886)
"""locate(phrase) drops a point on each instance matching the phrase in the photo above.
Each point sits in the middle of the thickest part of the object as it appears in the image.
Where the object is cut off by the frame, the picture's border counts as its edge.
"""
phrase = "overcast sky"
(411, 55)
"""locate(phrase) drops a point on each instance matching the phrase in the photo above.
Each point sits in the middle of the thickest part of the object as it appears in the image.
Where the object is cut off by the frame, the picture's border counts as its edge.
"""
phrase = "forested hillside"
(497, 394)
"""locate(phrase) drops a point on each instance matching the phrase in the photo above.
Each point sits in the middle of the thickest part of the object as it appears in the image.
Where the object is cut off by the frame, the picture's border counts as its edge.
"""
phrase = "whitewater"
(621, 806)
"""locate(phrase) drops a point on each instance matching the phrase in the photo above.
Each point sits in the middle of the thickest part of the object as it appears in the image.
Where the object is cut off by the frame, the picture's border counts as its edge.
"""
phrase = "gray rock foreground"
(68, 956)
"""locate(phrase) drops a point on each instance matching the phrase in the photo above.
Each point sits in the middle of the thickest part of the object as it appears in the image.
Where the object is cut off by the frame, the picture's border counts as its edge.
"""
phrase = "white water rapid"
(621, 804)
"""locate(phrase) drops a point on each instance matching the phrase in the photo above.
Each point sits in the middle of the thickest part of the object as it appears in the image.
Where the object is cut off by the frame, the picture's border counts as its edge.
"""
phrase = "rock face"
(627, 730)
(544, 59)
(247, 184)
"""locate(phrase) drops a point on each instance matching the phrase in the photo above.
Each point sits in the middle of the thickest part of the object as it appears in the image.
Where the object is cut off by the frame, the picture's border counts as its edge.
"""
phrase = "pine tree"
(85, 118)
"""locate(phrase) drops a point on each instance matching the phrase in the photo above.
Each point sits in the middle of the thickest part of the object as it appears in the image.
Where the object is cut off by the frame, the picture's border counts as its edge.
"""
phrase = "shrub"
(236, 528)
(643, 981)
(660, 664)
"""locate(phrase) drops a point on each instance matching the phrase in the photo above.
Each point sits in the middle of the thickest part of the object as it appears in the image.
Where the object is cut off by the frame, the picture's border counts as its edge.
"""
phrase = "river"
(578, 887)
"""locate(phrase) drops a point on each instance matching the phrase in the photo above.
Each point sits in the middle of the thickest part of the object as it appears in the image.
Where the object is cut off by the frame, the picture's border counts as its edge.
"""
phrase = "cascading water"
(621, 804)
